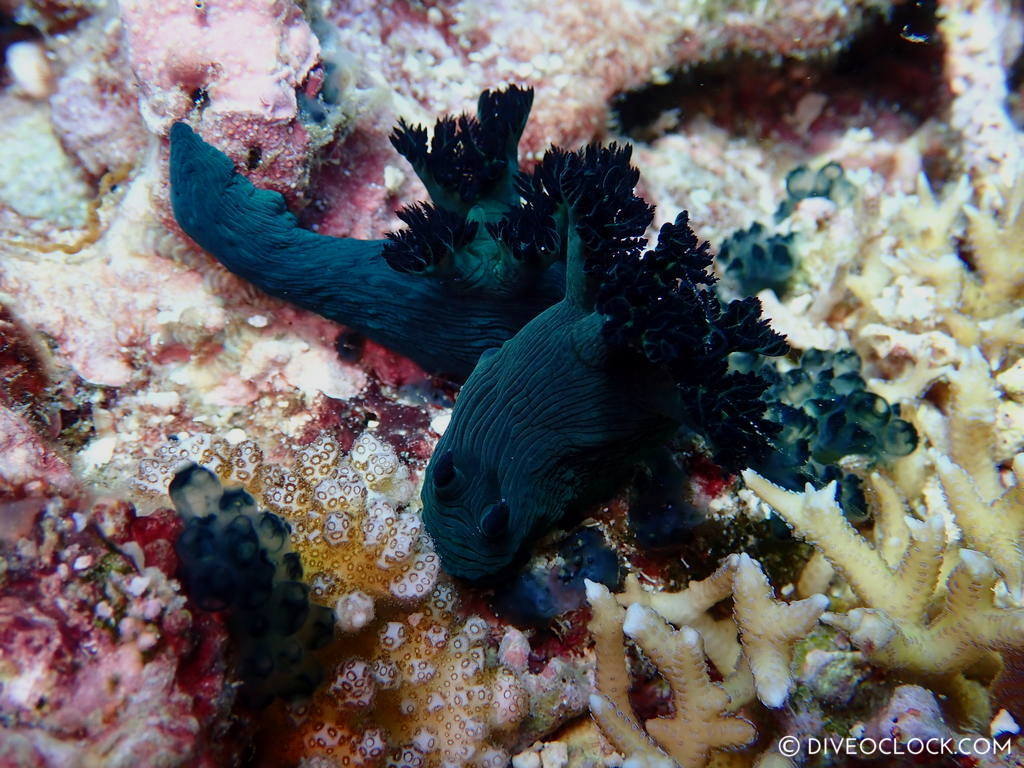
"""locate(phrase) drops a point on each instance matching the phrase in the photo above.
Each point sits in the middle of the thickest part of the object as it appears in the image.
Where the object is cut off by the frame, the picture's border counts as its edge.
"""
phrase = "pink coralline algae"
(240, 63)
(248, 57)
(101, 660)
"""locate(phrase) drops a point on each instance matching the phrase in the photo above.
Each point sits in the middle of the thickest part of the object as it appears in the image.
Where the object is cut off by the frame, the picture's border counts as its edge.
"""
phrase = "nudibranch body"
(443, 290)
(639, 347)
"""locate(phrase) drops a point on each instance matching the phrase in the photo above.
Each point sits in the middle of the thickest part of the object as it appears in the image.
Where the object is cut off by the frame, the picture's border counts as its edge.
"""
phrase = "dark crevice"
(254, 158)
(200, 98)
(888, 78)
(12, 32)
(1015, 87)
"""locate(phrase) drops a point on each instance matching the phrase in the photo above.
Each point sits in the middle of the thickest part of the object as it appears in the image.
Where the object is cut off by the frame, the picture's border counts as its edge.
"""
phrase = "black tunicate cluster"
(754, 259)
(826, 414)
(237, 559)
(829, 182)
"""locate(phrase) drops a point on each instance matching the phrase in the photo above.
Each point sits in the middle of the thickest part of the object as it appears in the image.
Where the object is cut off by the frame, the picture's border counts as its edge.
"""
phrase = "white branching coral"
(769, 629)
(919, 301)
(701, 721)
(943, 631)
(753, 650)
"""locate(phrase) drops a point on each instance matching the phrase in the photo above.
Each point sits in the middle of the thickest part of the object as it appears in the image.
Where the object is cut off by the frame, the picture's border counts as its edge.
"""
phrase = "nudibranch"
(458, 280)
(638, 349)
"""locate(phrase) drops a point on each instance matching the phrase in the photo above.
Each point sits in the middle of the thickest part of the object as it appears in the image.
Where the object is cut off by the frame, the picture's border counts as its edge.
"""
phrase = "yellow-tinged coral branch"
(816, 517)
(769, 629)
(689, 608)
(994, 527)
(627, 736)
(891, 532)
(606, 629)
(995, 247)
(972, 423)
(700, 723)
(702, 719)
(961, 637)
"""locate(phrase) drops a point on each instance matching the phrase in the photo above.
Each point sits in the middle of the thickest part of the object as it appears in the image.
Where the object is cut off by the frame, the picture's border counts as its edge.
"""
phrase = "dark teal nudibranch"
(639, 348)
(452, 284)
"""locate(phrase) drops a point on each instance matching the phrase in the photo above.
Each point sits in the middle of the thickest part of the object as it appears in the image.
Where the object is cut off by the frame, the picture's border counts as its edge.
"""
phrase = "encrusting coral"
(752, 650)
(103, 662)
(639, 348)
(410, 680)
(356, 547)
(457, 281)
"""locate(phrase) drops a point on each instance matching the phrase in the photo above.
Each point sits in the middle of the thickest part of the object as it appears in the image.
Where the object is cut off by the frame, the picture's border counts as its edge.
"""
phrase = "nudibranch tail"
(440, 291)
(252, 232)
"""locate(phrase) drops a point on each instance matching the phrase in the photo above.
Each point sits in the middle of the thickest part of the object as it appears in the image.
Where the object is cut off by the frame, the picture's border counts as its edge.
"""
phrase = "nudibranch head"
(472, 521)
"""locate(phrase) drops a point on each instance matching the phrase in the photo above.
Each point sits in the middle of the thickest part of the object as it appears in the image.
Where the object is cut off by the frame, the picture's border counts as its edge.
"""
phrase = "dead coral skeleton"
(919, 300)
(753, 650)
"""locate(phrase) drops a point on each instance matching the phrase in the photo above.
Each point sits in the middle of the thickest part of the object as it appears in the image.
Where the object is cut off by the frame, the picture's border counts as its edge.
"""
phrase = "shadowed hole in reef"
(1015, 89)
(887, 78)
(11, 32)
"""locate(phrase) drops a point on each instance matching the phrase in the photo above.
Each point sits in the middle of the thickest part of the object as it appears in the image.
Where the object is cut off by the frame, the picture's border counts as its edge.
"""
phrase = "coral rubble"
(102, 661)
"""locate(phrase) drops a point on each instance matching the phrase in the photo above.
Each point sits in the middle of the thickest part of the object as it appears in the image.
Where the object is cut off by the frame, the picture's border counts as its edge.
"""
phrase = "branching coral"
(639, 347)
(921, 302)
(752, 649)
(452, 284)
(701, 721)
(990, 517)
(927, 611)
